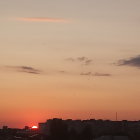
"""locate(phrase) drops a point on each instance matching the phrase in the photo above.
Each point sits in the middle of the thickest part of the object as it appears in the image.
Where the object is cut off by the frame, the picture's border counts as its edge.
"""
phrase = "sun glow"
(34, 127)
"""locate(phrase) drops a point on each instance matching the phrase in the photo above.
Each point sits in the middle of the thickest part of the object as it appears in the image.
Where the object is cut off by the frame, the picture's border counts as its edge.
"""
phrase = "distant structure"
(116, 116)
(5, 127)
(58, 129)
(119, 130)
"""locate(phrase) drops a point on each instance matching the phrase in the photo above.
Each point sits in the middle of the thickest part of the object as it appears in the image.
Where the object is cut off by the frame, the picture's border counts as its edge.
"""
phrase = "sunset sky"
(76, 59)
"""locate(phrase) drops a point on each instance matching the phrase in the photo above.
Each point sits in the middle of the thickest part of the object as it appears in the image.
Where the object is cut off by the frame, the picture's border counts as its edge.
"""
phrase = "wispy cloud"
(70, 59)
(86, 73)
(101, 74)
(24, 69)
(134, 61)
(85, 60)
(82, 60)
(88, 62)
(42, 19)
(95, 74)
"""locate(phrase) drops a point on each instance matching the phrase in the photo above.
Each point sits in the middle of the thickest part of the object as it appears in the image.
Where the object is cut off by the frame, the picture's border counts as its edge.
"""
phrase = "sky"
(69, 59)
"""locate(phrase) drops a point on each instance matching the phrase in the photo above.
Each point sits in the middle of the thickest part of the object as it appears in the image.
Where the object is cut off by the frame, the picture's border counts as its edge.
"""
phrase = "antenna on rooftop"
(116, 116)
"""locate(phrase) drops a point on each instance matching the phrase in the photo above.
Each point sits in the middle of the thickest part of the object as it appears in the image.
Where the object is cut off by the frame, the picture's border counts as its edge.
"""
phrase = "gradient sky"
(69, 58)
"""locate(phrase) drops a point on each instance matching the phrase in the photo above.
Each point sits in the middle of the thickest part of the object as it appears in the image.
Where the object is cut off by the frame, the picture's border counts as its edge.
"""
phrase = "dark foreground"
(58, 129)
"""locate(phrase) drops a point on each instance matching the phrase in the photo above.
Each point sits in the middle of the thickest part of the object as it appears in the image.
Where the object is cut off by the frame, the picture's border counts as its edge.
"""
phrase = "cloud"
(63, 72)
(70, 59)
(86, 73)
(42, 19)
(25, 69)
(88, 62)
(101, 74)
(134, 61)
(82, 60)
(95, 74)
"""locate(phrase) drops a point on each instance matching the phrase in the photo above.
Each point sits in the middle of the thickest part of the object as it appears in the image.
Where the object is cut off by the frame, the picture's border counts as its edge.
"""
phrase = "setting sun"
(34, 127)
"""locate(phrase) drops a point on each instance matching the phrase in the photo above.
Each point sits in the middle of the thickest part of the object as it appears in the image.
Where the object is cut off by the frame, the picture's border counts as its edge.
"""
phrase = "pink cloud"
(42, 19)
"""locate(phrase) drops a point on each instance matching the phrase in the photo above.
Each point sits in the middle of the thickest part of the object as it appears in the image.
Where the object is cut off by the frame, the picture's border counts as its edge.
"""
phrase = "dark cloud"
(101, 74)
(83, 60)
(88, 62)
(25, 69)
(62, 71)
(134, 61)
(86, 73)
(95, 74)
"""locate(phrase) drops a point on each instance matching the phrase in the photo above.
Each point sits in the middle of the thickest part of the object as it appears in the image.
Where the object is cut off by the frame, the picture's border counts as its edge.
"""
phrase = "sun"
(34, 127)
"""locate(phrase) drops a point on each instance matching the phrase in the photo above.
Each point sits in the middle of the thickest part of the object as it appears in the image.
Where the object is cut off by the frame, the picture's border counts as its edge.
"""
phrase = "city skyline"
(69, 59)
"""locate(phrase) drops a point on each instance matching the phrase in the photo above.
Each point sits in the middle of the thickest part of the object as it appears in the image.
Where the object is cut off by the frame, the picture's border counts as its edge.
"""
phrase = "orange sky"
(69, 59)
